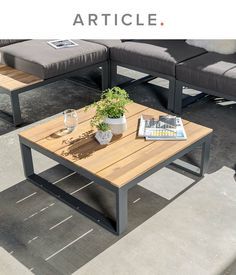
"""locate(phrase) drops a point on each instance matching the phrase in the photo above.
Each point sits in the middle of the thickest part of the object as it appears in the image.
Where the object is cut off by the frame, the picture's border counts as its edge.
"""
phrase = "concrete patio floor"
(194, 233)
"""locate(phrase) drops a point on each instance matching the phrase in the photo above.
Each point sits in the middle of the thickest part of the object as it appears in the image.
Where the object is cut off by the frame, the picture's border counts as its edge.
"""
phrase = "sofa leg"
(178, 98)
(171, 95)
(105, 76)
(16, 112)
(113, 74)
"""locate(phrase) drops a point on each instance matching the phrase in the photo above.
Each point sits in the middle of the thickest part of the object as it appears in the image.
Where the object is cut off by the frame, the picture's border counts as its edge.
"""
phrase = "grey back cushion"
(159, 56)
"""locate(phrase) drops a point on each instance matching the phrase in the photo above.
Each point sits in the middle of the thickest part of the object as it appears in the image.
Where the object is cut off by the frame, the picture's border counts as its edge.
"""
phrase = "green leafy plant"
(112, 105)
(102, 126)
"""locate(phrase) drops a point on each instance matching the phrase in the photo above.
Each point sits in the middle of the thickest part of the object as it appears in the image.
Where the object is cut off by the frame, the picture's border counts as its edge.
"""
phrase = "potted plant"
(111, 109)
(104, 134)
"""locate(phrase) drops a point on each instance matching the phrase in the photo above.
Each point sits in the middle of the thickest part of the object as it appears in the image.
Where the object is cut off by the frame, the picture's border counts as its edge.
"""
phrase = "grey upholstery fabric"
(38, 58)
(5, 42)
(155, 55)
(105, 42)
(213, 71)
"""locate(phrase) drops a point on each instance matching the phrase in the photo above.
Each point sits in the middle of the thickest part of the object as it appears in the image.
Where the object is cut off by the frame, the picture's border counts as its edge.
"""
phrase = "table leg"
(105, 76)
(27, 160)
(205, 155)
(16, 112)
(199, 171)
(121, 210)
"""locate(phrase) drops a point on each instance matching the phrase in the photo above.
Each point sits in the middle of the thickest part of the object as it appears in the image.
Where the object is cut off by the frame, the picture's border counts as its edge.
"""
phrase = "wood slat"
(12, 85)
(10, 72)
(54, 126)
(12, 79)
(54, 142)
(145, 159)
(14, 74)
(84, 134)
(122, 149)
(88, 153)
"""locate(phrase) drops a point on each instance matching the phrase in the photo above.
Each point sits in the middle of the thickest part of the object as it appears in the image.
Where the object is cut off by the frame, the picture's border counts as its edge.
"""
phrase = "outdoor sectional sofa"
(181, 64)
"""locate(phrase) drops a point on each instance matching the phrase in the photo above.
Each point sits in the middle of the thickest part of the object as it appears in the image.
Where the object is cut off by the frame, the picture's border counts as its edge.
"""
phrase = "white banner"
(117, 19)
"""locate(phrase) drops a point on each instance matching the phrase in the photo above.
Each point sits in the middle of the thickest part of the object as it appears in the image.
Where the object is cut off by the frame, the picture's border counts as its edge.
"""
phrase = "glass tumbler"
(70, 119)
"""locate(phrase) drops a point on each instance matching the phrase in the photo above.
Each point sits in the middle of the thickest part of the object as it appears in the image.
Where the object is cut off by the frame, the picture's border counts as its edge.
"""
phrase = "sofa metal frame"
(16, 119)
(178, 100)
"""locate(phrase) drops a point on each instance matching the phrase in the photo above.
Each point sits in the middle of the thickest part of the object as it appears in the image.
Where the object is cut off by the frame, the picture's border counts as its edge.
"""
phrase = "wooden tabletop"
(124, 159)
(12, 79)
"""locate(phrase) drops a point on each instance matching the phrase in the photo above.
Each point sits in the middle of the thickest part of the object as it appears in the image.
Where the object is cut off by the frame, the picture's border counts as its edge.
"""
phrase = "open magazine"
(162, 128)
(60, 44)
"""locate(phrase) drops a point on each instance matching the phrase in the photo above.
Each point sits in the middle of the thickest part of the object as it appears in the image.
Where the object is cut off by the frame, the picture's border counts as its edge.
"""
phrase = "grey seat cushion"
(160, 56)
(5, 42)
(38, 58)
(213, 71)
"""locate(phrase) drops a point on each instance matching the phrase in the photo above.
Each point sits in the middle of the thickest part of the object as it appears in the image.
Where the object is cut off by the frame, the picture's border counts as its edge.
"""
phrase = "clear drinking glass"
(70, 119)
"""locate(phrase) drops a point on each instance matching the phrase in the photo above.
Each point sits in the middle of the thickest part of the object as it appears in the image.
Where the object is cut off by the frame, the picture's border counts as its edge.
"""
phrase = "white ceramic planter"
(103, 137)
(117, 125)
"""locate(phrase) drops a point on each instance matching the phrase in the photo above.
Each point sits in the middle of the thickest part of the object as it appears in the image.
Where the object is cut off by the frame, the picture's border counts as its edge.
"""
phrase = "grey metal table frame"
(120, 224)
(16, 119)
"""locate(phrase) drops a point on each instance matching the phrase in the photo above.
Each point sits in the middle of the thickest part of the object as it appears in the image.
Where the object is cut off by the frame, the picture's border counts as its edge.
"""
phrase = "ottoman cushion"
(160, 56)
(38, 58)
(213, 71)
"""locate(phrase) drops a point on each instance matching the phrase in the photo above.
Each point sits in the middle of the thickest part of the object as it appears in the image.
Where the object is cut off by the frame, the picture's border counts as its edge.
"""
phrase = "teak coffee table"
(118, 167)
